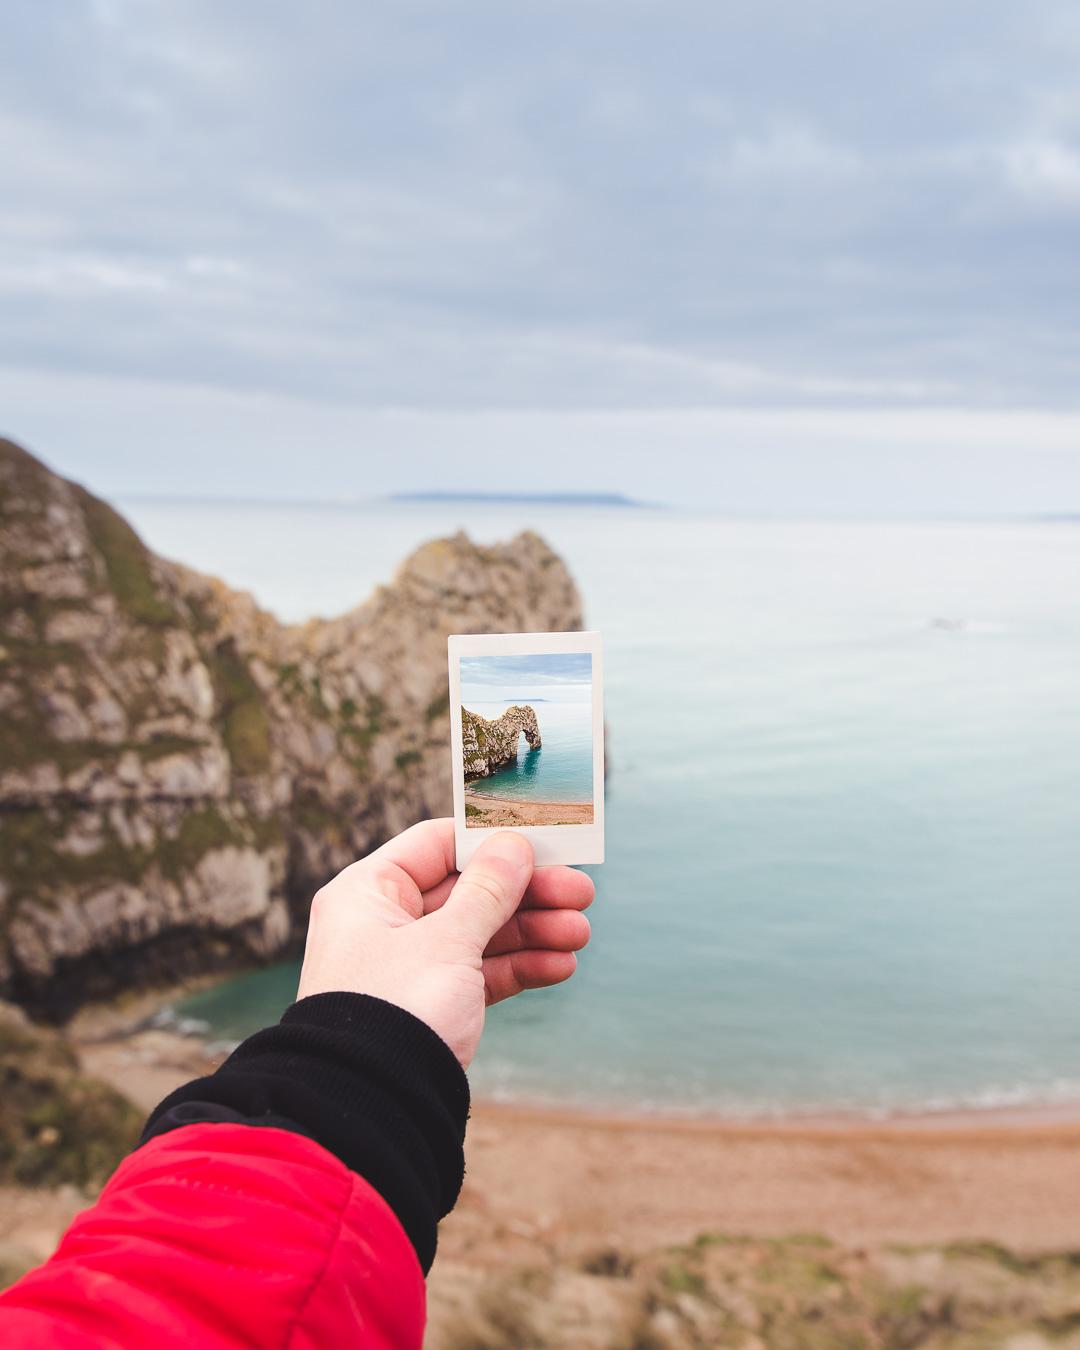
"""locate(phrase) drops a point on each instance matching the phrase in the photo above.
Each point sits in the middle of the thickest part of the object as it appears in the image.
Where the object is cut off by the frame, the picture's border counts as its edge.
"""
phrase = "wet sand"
(567, 1181)
(571, 1182)
(509, 812)
(545, 1187)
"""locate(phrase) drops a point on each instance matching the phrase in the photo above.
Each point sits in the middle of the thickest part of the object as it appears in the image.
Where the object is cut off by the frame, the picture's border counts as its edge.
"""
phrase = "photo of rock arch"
(527, 744)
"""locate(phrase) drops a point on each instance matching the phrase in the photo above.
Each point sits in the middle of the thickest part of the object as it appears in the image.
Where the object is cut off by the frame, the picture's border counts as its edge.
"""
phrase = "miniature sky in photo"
(555, 677)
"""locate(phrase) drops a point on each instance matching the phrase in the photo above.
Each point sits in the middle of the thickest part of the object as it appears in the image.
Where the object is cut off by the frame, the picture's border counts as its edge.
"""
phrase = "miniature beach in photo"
(487, 812)
(526, 723)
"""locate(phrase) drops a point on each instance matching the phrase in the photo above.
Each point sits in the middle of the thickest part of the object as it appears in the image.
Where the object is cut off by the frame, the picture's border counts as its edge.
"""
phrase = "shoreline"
(127, 1022)
(548, 1182)
(580, 1221)
(569, 1182)
(974, 1120)
(514, 811)
(551, 1184)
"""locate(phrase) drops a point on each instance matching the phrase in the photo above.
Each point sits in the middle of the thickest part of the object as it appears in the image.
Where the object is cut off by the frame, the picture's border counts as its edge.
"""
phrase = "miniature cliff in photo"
(489, 745)
(178, 770)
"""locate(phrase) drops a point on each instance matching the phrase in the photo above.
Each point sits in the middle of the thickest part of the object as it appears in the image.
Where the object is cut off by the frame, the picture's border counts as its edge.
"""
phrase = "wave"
(498, 1085)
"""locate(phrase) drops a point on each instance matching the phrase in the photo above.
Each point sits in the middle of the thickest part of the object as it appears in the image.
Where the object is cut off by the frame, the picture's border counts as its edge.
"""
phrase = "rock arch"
(488, 745)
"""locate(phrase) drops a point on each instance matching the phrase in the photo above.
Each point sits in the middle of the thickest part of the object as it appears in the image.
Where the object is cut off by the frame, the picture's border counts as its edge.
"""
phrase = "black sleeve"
(363, 1078)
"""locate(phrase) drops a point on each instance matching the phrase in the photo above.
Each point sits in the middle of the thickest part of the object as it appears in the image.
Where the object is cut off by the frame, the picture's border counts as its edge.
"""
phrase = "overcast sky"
(556, 677)
(765, 256)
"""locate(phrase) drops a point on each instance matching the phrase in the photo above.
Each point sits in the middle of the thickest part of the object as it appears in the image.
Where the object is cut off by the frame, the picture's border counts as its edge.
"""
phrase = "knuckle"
(319, 901)
(489, 885)
(379, 873)
(388, 880)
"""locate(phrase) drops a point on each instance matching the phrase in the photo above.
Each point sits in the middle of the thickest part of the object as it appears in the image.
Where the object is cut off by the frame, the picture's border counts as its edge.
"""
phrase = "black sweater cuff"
(363, 1078)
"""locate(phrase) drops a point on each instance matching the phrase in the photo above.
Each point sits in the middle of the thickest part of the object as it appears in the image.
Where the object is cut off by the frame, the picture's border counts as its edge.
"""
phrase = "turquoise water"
(561, 770)
(843, 810)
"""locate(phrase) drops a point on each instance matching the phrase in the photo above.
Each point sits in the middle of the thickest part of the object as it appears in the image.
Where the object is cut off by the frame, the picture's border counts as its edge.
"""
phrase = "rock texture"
(733, 1292)
(178, 770)
(487, 746)
(57, 1125)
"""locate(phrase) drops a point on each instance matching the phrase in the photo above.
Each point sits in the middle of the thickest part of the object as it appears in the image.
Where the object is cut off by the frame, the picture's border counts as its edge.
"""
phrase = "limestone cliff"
(488, 745)
(178, 770)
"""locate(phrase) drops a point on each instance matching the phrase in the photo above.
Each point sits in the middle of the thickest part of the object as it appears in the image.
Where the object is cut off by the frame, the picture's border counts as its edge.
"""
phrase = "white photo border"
(552, 843)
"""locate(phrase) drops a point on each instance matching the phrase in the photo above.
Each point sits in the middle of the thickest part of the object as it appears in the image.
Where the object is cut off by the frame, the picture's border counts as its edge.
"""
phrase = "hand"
(402, 925)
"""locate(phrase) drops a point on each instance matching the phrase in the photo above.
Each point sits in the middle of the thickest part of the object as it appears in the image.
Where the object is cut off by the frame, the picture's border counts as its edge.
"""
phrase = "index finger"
(425, 852)
(552, 887)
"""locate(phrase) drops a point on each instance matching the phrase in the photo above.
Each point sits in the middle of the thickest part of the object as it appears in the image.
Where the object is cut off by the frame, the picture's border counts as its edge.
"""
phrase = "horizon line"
(612, 500)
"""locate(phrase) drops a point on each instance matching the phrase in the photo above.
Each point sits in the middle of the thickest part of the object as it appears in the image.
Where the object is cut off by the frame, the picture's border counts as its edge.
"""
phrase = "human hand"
(402, 925)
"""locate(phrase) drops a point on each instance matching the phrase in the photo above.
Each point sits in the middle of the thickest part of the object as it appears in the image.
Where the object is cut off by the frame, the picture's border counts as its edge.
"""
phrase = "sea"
(843, 803)
(561, 770)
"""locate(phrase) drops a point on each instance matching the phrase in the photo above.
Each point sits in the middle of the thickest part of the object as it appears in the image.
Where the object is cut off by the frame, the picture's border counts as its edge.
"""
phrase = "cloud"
(600, 209)
(205, 441)
(792, 151)
(1045, 172)
(553, 669)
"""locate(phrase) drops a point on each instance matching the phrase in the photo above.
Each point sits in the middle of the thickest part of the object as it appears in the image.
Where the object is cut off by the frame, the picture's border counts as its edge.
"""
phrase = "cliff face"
(488, 745)
(179, 771)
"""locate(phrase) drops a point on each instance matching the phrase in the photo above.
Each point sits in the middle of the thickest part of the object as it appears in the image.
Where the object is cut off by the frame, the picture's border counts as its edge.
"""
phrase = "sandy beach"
(506, 811)
(570, 1180)
(604, 1232)
(608, 1231)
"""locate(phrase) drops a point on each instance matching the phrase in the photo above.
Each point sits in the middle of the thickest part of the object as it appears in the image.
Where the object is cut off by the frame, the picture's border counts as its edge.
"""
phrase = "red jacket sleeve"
(219, 1236)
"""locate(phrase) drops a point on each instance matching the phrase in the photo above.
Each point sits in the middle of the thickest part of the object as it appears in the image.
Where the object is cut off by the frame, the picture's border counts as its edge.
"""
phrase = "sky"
(556, 677)
(759, 257)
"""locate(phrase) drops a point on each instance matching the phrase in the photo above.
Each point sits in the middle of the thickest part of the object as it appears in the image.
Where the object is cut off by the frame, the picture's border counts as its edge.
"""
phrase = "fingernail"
(515, 848)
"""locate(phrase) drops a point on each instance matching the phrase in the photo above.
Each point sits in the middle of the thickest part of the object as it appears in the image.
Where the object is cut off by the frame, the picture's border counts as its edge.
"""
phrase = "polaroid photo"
(527, 742)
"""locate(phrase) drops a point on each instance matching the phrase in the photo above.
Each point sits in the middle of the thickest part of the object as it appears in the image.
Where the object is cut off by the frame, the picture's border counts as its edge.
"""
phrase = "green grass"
(34, 867)
(200, 833)
(127, 563)
(57, 1126)
(245, 722)
(680, 1278)
(438, 707)
(314, 816)
(160, 747)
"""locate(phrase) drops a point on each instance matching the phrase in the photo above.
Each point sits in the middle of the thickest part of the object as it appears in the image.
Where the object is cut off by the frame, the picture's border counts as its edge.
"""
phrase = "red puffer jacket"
(220, 1236)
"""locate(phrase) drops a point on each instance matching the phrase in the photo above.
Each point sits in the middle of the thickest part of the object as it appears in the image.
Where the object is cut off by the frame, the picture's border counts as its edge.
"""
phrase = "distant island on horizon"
(512, 700)
(615, 500)
(529, 498)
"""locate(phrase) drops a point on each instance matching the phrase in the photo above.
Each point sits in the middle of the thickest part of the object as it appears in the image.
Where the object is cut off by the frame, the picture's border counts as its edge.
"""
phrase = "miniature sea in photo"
(527, 739)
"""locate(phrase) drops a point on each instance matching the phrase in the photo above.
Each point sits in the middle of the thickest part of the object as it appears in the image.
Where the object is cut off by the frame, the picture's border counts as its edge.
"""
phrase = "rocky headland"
(489, 745)
(178, 770)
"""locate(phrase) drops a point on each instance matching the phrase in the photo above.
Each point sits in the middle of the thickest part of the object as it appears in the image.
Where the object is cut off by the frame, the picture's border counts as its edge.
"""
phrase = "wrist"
(364, 1078)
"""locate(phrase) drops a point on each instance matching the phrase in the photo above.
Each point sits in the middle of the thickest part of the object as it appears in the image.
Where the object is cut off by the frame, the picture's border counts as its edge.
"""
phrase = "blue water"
(561, 770)
(843, 809)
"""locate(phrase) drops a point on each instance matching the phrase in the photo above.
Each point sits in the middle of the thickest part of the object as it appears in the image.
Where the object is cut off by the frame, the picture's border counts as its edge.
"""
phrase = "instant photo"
(527, 742)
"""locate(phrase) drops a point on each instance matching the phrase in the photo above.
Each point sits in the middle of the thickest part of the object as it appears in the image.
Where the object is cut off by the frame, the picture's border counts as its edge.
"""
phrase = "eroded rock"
(178, 770)
(489, 745)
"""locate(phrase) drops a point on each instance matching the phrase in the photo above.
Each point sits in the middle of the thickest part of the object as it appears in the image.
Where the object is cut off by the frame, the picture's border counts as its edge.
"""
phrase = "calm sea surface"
(843, 811)
(561, 770)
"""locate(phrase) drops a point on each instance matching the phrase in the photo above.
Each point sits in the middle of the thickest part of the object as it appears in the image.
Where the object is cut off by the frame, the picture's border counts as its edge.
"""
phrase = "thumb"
(490, 888)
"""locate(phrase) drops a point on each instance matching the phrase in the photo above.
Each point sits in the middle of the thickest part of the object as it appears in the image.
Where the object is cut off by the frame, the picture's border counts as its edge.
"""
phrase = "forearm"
(367, 1081)
(291, 1197)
